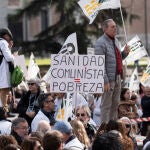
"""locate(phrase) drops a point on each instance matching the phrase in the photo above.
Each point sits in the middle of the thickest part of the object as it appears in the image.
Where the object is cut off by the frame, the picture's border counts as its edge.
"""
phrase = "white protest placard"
(137, 50)
(77, 73)
(20, 61)
(134, 81)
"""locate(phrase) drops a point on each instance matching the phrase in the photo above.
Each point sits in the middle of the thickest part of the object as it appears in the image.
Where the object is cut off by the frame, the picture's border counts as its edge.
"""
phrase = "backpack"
(16, 76)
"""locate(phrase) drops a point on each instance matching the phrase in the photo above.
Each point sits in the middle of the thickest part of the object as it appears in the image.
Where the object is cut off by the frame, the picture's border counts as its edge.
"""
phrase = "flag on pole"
(137, 50)
(145, 80)
(33, 68)
(70, 45)
(134, 81)
(91, 7)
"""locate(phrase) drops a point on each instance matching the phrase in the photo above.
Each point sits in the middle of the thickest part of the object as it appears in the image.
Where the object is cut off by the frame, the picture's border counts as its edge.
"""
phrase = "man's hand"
(31, 114)
(106, 87)
(126, 49)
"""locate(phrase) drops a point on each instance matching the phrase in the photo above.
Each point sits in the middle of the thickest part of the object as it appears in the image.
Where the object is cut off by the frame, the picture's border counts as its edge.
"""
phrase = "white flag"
(137, 50)
(134, 81)
(33, 68)
(145, 80)
(91, 7)
(46, 77)
(65, 110)
(70, 46)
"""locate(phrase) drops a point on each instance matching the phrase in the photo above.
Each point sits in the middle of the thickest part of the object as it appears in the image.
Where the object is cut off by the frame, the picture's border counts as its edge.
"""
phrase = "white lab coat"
(5, 127)
(4, 68)
(96, 111)
(39, 116)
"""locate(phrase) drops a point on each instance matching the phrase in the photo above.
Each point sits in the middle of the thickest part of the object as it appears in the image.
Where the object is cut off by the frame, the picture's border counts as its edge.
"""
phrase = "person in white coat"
(96, 110)
(5, 125)
(46, 112)
(6, 44)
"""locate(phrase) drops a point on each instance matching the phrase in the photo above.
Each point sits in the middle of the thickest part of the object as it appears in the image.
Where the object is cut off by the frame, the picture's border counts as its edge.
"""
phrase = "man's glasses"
(24, 128)
(31, 84)
(78, 115)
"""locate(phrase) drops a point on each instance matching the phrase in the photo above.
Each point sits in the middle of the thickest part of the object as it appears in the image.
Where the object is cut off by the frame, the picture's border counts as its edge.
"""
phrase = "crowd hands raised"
(37, 126)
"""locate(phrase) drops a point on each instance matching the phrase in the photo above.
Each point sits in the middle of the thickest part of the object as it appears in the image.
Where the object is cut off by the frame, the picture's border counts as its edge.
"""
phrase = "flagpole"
(123, 24)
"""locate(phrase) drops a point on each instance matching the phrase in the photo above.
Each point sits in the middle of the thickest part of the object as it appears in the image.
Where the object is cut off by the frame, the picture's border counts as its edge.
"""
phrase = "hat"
(63, 127)
(4, 31)
(34, 80)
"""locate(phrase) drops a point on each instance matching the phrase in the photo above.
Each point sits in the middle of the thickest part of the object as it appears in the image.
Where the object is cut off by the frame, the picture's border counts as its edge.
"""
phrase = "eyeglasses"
(24, 128)
(50, 101)
(78, 115)
(31, 84)
(127, 125)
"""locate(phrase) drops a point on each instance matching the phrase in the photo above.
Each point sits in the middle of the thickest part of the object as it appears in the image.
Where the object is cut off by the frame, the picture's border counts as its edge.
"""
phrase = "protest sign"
(134, 81)
(137, 50)
(20, 61)
(77, 73)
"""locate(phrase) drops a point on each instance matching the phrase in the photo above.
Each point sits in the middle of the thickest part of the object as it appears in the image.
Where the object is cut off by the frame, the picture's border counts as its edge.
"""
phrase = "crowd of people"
(99, 121)
(37, 128)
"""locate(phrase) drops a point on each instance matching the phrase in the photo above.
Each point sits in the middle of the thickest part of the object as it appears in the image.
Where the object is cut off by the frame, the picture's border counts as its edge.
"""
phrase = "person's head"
(128, 125)
(125, 94)
(34, 85)
(12, 147)
(7, 139)
(21, 127)
(3, 114)
(80, 132)
(53, 140)
(31, 143)
(107, 141)
(147, 91)
(83, 114)
(43, 127)
(6, 34)
(36, 135)
(109, 27)
(46, 102)
(65, 128)
(112, 125)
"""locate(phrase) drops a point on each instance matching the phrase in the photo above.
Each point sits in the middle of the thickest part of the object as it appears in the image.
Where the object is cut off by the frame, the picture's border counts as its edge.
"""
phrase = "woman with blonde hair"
(126, 141)
(80, 132)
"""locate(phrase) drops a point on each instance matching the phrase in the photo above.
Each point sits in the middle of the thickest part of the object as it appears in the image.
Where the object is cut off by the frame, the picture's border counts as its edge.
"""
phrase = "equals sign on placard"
(77, 80)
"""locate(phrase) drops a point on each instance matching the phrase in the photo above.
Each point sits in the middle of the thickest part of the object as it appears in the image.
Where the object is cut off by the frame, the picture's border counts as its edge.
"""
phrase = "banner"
(77, 73)
(33, 68)
(134, 81)
(145, 80)
(91, 7)
(70, 45)
(137, 50)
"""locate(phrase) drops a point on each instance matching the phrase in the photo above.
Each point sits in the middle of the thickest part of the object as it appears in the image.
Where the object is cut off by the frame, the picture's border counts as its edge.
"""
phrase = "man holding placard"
(108, 45)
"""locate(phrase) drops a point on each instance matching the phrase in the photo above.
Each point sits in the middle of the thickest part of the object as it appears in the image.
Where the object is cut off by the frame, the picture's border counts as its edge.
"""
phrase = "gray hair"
(105, 24)
(17, 121)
